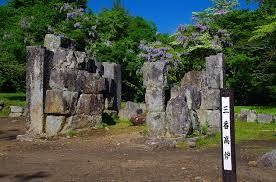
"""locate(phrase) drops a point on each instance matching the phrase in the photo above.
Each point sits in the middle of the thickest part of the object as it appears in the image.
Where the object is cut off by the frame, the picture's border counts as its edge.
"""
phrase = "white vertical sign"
(226, 135)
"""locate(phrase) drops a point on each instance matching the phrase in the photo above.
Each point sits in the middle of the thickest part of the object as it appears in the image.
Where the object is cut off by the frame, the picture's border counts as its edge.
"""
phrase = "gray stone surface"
(81, 121)
(195, 120)
(90, 83)
(268, 160)
(194, 78)
(264, 118)
(113, 73)
(215, 71)
(60, 102)
(2, 104)
(131, 110)
(155, 99)
(156, 123)
(15, 114)
(178, 117)
(54, 125)
(251, 116)
(35, 94)
(243, 114)
(53, 42)
(175, 91)
(212, 117)
(193, 97)
(16, 109)
(155, 73)
(90, 104)
(210, 99)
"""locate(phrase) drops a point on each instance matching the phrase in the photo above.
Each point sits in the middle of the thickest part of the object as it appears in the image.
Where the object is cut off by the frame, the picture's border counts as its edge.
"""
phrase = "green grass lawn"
(243, 132)
(11, 99)
(258, 109)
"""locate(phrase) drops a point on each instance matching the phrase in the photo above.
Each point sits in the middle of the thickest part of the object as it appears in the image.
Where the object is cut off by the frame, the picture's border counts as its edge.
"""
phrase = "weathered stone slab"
(268, 160)
(155, 99)
(175, 91)
(243, 115)
(192, 95)
(131, 110)
(251, 116)
(15, 114)
(264, 118)
(194, 78)
(16, 109)
(112, 71)
(155, 73)
(35, 82)
(90, 104)
(156, 123)
(215, 71)
(90, 83)
(54, 125)
(60, 102)
(81, 121)
(178, 118)
(210, 99)
(53, 42)
(209, 117)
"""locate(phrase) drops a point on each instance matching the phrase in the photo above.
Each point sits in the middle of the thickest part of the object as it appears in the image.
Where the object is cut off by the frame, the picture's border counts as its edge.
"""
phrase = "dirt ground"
(106, 156)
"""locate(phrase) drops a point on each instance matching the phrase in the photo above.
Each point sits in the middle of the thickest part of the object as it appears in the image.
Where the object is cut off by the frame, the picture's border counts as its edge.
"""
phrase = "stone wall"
(66, 89)
(193, 104)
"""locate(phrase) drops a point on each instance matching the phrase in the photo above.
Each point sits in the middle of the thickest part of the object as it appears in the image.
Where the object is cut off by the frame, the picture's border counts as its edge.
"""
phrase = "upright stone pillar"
(155, 81)
(112, 72)
(35, 91)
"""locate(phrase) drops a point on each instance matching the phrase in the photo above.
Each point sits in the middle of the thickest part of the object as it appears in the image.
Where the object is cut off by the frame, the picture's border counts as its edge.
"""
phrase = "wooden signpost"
(228, 136)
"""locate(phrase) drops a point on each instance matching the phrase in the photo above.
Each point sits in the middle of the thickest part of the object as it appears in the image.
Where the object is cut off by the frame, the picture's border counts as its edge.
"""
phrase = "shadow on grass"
(16, 97)
(109, 120)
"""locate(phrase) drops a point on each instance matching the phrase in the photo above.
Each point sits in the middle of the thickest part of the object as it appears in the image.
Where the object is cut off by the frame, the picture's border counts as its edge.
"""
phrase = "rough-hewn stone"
(60, 102)
(112, 72)
(156, 123)
(155, 73)
(90, 83)
(215, 71)
(210, 99)
(54, 125)
(35, 93)
(175, 92)
(194, 78)
(155, 99)
(131, 110)
(81, 121)
(53, 42)
(251, 116)
(90, 104)
(178, 117)
(16, 109)
(264, 118)
(268, 160)
(193, 97)
(210, 117)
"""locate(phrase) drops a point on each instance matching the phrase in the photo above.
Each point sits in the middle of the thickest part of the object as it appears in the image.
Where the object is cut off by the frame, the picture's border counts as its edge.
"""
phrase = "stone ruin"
(68, 90)
(192, 105)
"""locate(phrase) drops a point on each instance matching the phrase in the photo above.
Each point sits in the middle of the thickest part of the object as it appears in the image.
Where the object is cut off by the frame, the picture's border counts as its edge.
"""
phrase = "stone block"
(53, 42)
(155, 99)
(215, 71)
(175, 91)
(60, 102)
(194, 78)
(192, 95)
(90, 83)
(81, 121)
(178, 118)
(15, 114)
(90, 104)
(268, 160)
(35, 82)
(155, 73)
(211, 117)
(210, 99)
(16, 109)
(112, 71)
(156, 123)
(264, 118)
(54, 125)
(243, 115)
(251, 116)
(131, 110)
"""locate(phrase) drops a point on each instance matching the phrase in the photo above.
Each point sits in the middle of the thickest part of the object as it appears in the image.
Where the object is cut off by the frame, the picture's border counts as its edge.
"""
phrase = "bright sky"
(167, 15)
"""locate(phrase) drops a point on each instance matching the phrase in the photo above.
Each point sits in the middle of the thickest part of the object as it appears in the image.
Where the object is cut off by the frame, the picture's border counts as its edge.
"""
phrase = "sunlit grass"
(11, 99)
(258, 109)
